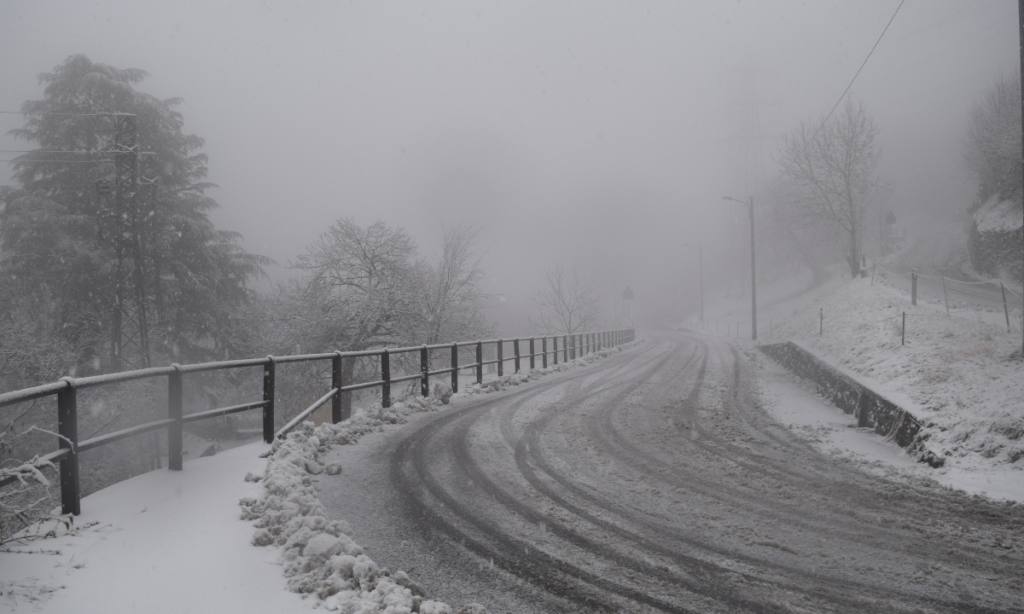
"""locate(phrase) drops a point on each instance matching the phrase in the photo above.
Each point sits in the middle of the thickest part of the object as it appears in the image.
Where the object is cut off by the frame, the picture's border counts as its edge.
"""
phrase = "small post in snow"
(385, 376)
(501, 357)
(913, 286)
(424, 371)
(1006, 310)
(455, 367)
(944, 296)
(479, 362)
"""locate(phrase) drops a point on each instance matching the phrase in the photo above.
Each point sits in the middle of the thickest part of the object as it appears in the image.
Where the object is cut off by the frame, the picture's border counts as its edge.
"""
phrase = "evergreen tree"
(57, 231)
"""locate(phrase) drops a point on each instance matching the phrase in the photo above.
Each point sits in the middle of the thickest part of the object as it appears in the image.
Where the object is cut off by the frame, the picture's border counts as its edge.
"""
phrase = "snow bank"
(954, 373)
(997, 215)
(318, 554)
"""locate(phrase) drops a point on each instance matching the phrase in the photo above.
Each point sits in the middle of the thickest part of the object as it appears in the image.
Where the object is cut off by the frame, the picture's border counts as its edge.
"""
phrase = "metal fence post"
(501, 357)
(385, 376)
(1006, 310)
(479, 362)
(455, 367)
(532, 363)
(336, 382)
(67, 427)
(174, 412)
(424, 371)
(913, 286)
(268, 398)
(515, 349)
(544, 352)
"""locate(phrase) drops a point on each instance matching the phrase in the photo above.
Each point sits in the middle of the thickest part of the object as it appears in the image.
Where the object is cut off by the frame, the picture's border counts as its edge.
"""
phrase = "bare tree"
(569, 303)
(359, 280)
(831, 166)
(450, 294)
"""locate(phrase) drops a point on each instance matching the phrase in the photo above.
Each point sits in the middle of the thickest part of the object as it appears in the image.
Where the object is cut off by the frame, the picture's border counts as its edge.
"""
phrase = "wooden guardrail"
(67, 389)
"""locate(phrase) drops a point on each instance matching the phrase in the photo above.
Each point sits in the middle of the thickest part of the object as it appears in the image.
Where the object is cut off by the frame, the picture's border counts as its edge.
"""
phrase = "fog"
(596, 134)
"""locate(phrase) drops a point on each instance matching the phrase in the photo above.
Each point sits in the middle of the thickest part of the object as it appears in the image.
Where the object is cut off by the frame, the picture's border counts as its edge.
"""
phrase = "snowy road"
(653, 481)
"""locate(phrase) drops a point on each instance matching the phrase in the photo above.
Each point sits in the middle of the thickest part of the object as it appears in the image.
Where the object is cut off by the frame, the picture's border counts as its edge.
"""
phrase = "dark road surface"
(653, 481)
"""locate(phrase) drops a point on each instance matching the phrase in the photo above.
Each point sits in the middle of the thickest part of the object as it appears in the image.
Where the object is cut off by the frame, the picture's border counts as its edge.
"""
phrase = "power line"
(101, 114)
(843, 95)
(864, 63)
(60, 161)
(48, 151)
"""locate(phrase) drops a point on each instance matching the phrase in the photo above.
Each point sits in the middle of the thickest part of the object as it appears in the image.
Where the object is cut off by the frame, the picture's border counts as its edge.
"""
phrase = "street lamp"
(753, 277)
(700, 271)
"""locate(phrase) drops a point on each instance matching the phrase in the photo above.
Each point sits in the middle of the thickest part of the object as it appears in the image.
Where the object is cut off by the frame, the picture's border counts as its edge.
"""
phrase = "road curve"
(653, 481)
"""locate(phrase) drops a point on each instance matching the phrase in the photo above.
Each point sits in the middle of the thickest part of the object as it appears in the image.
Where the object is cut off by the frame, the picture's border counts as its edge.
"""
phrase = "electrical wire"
(862, 65)
(60, 161)
(843, 95)
(103, 114)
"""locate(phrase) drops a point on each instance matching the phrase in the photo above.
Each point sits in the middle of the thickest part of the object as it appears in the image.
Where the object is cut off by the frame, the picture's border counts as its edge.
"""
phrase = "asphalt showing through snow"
(653, 480)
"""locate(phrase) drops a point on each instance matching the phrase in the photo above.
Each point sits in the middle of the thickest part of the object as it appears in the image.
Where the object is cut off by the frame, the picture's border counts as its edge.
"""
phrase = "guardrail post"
(572, 347)
(501, 357)
(1006, 310)
(424, 371)
(515, 349)
(385, 375)
(174, 412)
(565, 348)
(479, 362)
(268, 398)
(67, 427)
(533, 364)
(455, 367)
(544, 352)
(336, 382)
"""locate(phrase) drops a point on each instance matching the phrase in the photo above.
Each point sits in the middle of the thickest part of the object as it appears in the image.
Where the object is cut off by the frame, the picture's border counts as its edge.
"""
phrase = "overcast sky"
(597, 133)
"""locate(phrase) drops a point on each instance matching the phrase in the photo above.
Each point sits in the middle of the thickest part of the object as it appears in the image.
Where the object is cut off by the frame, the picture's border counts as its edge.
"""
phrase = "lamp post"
(700, 272)
(753, 277)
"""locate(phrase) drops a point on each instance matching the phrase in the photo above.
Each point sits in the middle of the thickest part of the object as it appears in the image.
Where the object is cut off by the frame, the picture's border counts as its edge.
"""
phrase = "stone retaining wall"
(871, 409)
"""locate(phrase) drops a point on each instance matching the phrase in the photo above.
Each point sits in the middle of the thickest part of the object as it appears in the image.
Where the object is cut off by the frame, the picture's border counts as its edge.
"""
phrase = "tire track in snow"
(488, 475)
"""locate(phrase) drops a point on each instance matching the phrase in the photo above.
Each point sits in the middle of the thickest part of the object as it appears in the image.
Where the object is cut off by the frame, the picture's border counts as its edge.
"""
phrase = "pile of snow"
(954, 373)
(319, 555)
(998, 215)
(172, 540)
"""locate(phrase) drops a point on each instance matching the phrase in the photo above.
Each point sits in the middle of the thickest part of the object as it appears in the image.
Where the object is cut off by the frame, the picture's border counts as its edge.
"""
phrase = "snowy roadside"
(172, 541)
(954, 373)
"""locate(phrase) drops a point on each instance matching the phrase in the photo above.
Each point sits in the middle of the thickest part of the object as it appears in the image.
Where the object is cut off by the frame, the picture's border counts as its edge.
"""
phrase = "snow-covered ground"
(174, 541)
(953, 372)
(170, 541)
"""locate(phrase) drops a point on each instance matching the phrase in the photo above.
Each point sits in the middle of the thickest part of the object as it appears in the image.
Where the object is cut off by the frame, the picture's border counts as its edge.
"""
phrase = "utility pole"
(129, 347)
(753, 272)
(700, 270)
(1020, 19)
